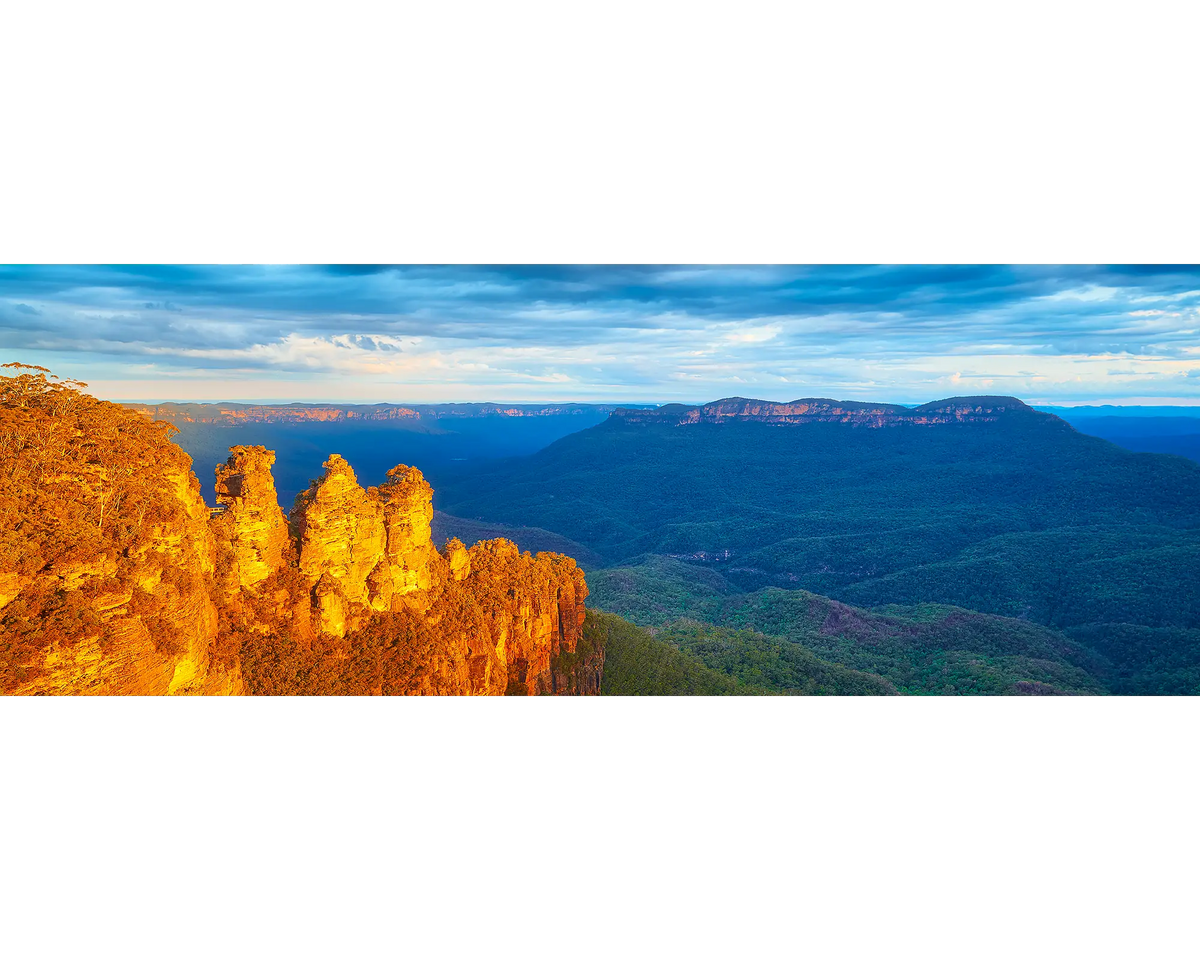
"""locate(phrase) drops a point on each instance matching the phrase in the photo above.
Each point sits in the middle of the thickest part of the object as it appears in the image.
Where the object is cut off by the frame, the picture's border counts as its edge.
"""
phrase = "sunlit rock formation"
(339, 531)
(107, 550)
(115, 578)
(251, 523)
(410, 557)
(459, 559)
(373, 546)
(502, 617)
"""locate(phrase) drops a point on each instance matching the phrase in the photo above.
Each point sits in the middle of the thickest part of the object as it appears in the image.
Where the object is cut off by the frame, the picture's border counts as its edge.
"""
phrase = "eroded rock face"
(511, 624)
(407, 501)
(301, 413)
(489, 620)
(255, 413)
(118, 580)
(375, 544)
(339, 531)
(143, 619)
(459, 559)
(252, 523)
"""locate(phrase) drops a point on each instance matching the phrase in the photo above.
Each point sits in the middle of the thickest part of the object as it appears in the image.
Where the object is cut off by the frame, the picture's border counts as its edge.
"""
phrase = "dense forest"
(1051, 532)
(926, 649)
(830, 506)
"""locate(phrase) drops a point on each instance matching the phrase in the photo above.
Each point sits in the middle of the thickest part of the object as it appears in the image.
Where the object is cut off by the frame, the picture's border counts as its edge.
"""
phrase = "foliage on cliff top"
(396, 653)
(85, 489)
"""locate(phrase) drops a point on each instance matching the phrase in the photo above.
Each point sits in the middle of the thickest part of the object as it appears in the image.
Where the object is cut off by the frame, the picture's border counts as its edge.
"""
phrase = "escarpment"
(107, 549)
(116, 578)
(368, 579)
(239, 413)
(739, 409)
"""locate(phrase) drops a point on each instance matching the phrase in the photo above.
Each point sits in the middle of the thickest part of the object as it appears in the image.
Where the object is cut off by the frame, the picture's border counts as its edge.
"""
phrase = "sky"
(901, 334)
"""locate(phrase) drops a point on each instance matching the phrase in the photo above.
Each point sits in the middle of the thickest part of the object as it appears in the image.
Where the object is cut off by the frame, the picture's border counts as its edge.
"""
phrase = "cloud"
(622, 331)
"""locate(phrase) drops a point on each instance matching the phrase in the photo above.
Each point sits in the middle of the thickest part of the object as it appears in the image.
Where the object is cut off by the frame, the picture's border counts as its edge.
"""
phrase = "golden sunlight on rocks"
(252, 522)
(120, 580)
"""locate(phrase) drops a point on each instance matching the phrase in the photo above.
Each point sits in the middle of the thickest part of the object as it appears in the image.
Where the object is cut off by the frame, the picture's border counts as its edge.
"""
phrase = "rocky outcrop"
(511, 625)
(459, 559)
(339, 532)
(738, 409)
(108, 590)
(373, 545)
(117, 579)
(409, 556)
(957, 409)
(251, 523)
(503, 618)
(535, 609)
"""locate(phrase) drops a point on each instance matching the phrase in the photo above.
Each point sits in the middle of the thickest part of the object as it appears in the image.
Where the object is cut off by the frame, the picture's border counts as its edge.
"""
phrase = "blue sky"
(905, 334)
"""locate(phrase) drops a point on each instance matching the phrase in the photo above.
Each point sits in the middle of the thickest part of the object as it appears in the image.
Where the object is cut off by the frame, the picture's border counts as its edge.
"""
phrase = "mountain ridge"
(978, 503)
(824, 410)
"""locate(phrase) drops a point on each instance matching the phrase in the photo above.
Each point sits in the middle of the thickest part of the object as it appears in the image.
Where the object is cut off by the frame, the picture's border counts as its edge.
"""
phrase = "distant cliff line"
(805, 410)
(822, 410)
(219, 412)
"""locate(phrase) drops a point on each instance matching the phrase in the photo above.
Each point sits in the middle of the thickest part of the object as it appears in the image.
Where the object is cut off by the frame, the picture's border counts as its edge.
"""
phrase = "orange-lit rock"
(374, 544)
(459, 559)
(503, 616)
(252, 523)
(120, 604)
(407, 513)
(330, 603)
(119, 581)
(339, 530)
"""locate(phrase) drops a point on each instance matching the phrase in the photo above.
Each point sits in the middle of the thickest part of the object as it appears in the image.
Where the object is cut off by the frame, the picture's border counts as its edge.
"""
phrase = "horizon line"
(1060, 404)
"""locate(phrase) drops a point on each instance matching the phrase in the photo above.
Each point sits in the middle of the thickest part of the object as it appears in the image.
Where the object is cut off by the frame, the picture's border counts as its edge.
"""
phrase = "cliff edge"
(115, 578)
(820, 410)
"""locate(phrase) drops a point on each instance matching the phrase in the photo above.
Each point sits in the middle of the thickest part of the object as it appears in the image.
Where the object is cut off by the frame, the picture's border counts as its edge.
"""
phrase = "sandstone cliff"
(489, 620)
(366, 550)
(108, 550)
(251, 522)
(952, 410)
(282, 413)
(115, 579)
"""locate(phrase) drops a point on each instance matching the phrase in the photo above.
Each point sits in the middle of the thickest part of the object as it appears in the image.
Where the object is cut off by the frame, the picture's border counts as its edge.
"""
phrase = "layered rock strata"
(952, 410)
(501, 618)
(116, 578)
(110, 590)
(250, 520)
